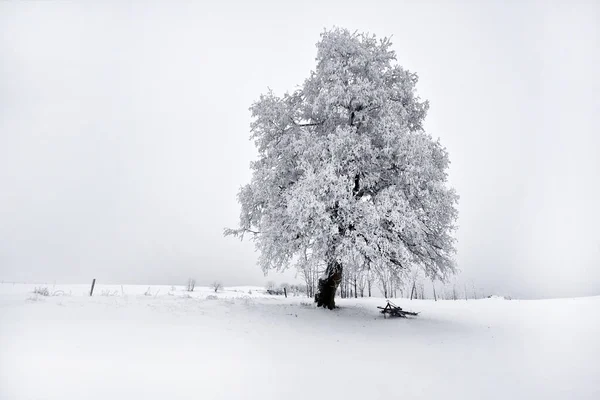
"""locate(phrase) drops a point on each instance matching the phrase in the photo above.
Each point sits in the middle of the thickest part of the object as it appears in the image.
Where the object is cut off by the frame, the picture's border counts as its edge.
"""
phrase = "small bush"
(42, 291)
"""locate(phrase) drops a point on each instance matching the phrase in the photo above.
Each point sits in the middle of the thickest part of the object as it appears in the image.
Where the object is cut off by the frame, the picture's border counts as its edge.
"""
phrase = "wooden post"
(92, 289)
(285, 292)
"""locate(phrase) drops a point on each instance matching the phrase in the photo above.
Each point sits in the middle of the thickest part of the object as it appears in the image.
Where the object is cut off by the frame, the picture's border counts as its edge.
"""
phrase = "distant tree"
(345, 166)
(191, 285)
(385, 278)
(362, 282)
(309, 268)
(296, 289)
(216, 286)
(270, 285)
(299, 289)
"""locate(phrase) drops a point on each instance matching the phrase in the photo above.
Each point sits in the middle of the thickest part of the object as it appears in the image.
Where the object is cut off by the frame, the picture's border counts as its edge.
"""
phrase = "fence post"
(92, 289)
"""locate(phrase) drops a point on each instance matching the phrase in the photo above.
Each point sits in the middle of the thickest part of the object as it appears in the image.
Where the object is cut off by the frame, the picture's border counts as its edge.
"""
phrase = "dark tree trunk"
(325, 296)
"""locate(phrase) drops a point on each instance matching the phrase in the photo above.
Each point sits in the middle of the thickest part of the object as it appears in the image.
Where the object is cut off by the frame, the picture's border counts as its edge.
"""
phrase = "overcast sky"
(124, 132)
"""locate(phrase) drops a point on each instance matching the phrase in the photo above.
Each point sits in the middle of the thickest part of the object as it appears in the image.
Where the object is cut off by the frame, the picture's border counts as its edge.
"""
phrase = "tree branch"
(306, 124)
(238, 232)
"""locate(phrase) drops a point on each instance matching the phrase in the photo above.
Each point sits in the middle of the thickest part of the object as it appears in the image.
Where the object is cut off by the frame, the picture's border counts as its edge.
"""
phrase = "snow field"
(172, 344)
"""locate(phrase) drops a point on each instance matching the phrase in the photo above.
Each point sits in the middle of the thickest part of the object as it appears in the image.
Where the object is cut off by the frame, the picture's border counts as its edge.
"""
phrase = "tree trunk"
(328, 285)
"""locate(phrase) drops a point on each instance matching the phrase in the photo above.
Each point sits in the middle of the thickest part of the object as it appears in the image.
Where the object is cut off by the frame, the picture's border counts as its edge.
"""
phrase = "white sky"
(124, 132)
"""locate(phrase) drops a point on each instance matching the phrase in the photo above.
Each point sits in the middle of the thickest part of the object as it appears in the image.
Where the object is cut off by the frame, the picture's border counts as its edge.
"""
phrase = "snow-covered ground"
(171, 344)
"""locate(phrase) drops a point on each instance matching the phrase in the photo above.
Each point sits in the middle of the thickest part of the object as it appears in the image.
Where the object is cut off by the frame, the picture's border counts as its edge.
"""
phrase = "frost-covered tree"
(344, 167)
(216, 286)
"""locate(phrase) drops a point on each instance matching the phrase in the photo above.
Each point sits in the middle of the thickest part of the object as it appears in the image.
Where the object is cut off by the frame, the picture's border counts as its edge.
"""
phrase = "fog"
(124, 133)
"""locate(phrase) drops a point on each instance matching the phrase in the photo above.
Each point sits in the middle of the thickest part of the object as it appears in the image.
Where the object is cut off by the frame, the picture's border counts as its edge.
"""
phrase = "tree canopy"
(346, 170)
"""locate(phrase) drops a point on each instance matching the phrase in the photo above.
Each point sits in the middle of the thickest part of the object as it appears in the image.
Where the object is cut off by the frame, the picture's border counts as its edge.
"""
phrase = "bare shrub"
(216, 286)
(191, 285)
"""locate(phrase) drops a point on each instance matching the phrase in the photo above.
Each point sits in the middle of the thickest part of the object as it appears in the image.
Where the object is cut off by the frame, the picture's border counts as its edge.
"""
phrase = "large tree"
(346, 171)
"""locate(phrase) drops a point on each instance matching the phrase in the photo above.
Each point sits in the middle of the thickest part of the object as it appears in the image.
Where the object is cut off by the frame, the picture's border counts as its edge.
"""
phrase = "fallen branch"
(394, 311)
